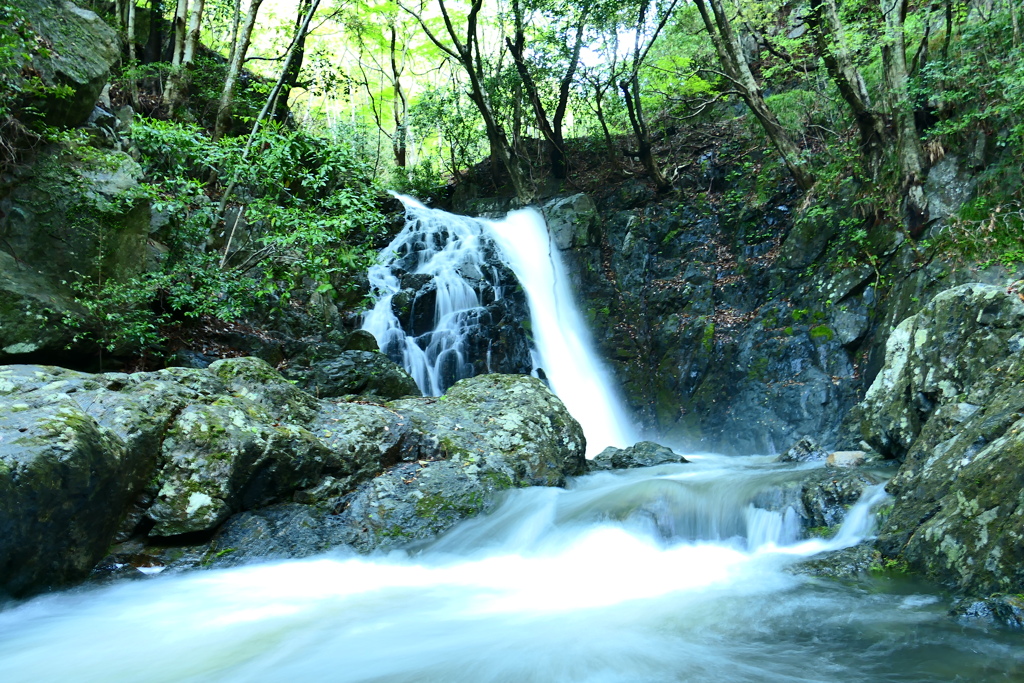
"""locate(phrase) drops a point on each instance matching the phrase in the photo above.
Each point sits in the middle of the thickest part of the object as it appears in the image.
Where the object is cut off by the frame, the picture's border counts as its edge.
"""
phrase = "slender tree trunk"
(291, 77)
(730, 54)
(1014, 19)
(894, 59)
(180, 28)
(830, 37)
(195, 21)
(227, 95)
(631, 94)
(130, 21)
(399, 105)
(236, 20)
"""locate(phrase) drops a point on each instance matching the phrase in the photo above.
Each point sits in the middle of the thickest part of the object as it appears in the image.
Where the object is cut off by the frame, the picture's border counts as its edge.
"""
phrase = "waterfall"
(438, 291)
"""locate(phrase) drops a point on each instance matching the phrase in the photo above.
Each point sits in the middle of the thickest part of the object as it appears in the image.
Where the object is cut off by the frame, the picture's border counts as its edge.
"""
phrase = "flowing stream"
(673, 573)
(659, 574)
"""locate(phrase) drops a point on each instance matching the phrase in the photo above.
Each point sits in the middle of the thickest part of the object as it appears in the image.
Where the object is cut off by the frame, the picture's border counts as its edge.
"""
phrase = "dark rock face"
(951, 398)
(688, 309)
(641, 454)
(196, 467)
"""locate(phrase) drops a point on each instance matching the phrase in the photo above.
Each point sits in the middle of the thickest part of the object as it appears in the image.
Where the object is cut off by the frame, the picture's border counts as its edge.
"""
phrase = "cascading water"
(660, 574)
(444, 267)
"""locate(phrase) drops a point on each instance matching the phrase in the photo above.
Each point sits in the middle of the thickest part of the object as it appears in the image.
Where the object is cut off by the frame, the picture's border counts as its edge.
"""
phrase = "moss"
(434, 505)
(822, 332)
(707, 339)
(758, 369)
(889, 566)
(822, 531)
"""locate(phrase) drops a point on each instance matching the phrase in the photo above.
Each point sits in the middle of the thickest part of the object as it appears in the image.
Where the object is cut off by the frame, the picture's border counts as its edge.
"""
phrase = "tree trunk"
(734, 62)
(830, 37)
(155, 38)
(894, 60)
(195, 20)
(227, 95)
(291, 74)
(631, 94)
(399, 105)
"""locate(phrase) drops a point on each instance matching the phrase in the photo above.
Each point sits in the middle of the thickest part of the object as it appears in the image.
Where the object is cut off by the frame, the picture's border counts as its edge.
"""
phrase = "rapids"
(658, 574)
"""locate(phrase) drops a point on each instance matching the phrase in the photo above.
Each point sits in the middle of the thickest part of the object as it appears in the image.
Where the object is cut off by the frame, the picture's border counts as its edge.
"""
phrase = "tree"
(238, 52)
(737, 71)
(463, 46)
(551, 128)
(643, 40)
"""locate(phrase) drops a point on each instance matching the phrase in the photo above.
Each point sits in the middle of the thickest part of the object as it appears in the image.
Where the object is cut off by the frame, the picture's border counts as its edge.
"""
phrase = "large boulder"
(236, 455)
(934, 357)
(80, 49)
(950, 402)
(33, 311)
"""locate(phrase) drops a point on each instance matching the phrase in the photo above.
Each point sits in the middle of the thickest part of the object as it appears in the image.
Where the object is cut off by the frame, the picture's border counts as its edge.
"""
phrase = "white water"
(448, 248)
(563, 343)
(664, 574)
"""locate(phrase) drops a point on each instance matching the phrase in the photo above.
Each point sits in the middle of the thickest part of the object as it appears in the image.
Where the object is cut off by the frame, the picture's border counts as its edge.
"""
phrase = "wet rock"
(932, 358)
(950, 401)
(999, 611)
(570, 220)
(855, 562)
(804, 450)
(188, 467)
(641, 454)
(62, 491)
(828, 495)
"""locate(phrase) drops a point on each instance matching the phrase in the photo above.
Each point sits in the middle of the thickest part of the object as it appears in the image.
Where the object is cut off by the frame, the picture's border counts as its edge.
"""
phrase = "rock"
(827, 495)
(804, 450)
(82, 50)
(950, 401)
(959, 500)
(62, 491)
(75, 212)
(236, 458)
(256, 381)
(222, 458)
(932, 358)
(999, 610)
(846, 459)
(369, 374)
(33, 312)
(848, 563)
(361, 340)
(570, 220)
(640, 454)
(487, 434)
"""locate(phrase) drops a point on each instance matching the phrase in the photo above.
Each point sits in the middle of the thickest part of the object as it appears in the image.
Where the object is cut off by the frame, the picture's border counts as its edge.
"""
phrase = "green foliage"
(310, 221)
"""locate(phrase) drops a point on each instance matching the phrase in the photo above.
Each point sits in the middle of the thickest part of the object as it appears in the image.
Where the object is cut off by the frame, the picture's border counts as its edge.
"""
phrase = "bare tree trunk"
(894, 59)
(227, 95)
(551, 129)
(131, 30)
(1014, 9)
(831, 39)
(180, 18)
(195, 20)
(734, 62)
